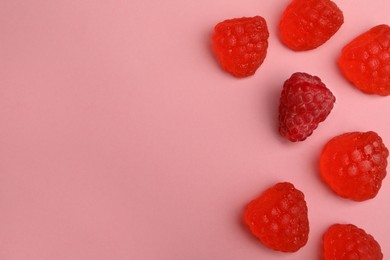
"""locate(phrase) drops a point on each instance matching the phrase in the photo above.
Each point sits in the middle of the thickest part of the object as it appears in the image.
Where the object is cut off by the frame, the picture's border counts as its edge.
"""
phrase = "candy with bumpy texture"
(354, 165)
(241, 44)
(365, 61)
(347, 241)
(278, 218)
(307, 24)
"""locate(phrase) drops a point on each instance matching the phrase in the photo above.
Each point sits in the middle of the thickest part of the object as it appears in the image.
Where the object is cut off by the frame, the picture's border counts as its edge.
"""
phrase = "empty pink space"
(122, 138)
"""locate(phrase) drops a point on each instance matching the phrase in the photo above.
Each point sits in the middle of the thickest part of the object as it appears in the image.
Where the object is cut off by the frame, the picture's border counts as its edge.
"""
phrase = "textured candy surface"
(278, 218)
(307, 24)
(241, 44)
(365, 61)
(304, 102)
(354, 164)
(347, 241)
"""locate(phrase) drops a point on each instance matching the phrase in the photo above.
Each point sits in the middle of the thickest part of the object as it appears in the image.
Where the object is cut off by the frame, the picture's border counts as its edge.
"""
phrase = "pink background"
(121, 137)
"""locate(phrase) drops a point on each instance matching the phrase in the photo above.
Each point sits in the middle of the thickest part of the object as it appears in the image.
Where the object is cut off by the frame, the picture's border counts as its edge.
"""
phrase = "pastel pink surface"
(121, 137)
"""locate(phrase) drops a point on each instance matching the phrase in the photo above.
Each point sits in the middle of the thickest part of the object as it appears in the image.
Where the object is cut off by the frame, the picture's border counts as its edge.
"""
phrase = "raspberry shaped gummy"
(354, 165)
(307, 24)
(365, 61)
(347, 241)
(304, 102)
(278, 218)
(240, 44)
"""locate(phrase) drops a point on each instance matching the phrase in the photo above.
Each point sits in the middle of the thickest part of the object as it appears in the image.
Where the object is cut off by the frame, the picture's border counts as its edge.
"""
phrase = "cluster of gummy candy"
(352, 164)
